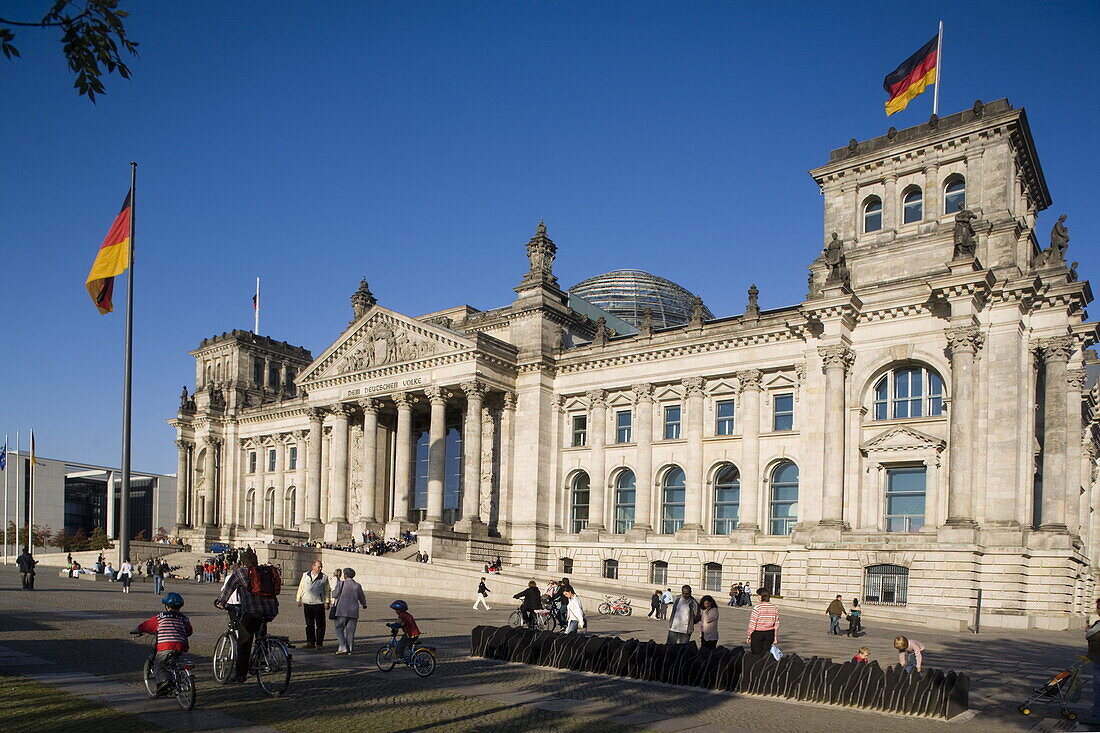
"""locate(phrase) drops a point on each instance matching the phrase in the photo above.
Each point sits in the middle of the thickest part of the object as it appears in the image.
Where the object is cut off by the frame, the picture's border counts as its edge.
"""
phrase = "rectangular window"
(905, 492)
(273, 377)
(580, 430)
(672, 422)
(252, 462)
(908, 393)
(783, 412)
(293, 458)
(723, 417)
(658, 573)
(271, 459)
(623, 426)
(258, 372)
(712, 576)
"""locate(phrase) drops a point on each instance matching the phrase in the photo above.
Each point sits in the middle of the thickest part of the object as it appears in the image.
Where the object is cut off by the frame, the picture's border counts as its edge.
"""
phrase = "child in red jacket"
(406, 623)
(172, 629)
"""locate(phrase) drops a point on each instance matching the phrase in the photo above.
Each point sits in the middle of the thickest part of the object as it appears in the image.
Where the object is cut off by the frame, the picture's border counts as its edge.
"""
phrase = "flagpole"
(939, 65)
(127, 382)
(30, 501)
(256, 313)
(18, 489)
(6, 472)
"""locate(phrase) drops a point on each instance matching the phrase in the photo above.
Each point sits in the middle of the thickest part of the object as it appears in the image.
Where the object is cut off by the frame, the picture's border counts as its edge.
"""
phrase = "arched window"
(624, 501)
(954, 195)
(290, 500)
(658, 572)
(911, 391)
(269, 508)
(611, 569)
(727, 495)
(912, 206)
(250, 508)
(886, 584)
(771, 577)
(579, 494)
(712, 576)
(872, 215)
(565, 565)
(673, 494)
(784, 501)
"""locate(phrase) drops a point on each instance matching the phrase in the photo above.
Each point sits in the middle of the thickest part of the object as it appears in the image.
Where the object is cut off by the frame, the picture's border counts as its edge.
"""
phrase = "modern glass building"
(627, 293)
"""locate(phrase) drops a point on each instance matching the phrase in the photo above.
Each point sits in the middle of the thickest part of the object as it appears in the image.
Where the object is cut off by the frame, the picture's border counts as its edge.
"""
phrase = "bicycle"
(544, 620)
(419, 657)
(620, 607)
(181, 677)
(270, 660)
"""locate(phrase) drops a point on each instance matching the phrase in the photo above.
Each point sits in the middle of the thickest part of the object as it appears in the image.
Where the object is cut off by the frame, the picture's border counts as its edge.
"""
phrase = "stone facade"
(920, 432)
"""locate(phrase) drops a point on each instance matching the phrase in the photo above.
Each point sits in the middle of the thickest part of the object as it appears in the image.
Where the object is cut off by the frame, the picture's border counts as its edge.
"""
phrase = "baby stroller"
(1065, 687)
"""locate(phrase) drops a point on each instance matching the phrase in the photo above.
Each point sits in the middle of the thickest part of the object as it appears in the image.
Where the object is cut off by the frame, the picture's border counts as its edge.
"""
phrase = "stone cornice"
(269, 416)
(580, 363)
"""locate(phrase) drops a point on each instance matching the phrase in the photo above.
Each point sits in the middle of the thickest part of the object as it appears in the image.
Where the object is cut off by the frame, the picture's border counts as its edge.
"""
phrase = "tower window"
(954, 195)
(912, 207)
(872, 215)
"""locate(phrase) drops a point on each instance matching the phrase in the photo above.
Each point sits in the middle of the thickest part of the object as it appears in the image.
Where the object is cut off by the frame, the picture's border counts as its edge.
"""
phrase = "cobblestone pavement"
(80, 627)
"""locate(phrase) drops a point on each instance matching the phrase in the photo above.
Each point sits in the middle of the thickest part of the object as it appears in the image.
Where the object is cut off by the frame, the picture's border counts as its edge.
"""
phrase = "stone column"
(933, 193)
(507, 417)
(402, 459)
(891, 207)
(313, 466)
(437, 455)
(963, 343)
(1055, 353)
(597, 436)
(643, 474)
(338, 498)
(693, 497)
(749, 511)
(182, 447)
(209, 473)
(1076, 379)
(278, 481)
(301, 437)
(471, 460)
(835, 361)
(369, 460)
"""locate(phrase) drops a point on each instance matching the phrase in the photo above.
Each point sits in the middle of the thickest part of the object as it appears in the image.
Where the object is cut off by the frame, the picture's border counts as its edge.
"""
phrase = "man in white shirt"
(683, 615)
(574, 612)
(313, 597)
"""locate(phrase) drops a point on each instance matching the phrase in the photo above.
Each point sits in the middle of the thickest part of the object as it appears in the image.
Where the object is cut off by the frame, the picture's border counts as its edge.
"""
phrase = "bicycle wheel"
(385, 658)
(273, 667)
(423, 662)
(185, 689)
(225, 657)
(627, 610)
(147, 678)
(604, 609)
(516, 619)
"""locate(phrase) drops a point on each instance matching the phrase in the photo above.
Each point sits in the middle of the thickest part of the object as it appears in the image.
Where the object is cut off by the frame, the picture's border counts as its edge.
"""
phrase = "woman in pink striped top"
(763, 628)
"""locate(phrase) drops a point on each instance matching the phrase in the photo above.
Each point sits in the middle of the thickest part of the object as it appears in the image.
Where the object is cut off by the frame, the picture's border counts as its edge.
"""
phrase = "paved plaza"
(71, 635)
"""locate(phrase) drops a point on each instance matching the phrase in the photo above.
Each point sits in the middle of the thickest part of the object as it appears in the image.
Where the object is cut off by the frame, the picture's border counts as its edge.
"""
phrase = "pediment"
(901, 437)
(382, 338)
(620, 399)
(780, 381)
(721, 387)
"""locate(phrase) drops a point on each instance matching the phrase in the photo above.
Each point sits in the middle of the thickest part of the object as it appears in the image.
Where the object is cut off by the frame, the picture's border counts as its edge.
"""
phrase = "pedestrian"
(683, 617)
(314, 599)
(855, 619)
(198, 572)
(708, 623)
(345, 608)
(1092, 637)
(655, 605)
(26, 565)
(336, 574)
(532, 601)
(482, 596)
(257, 589)
(746, 593)
(763, 630)
(666, 600)
(126, 574)
(835, 612)
(576, 620)
(909, 653)
(158, 578)
(735, 594)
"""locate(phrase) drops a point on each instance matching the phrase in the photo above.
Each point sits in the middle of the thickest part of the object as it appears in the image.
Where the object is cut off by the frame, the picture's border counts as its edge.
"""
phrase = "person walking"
(666, 600)
(683, 617)
(835, 612)
(576, 621)
(482, 596)
(158, 577)
(345, 608)
(314, 599)
(735, 594)
(655, 605)
(763, 630)
(126, 574)
(855, 619)
(708, 622)
(26, 563)
(532, 601)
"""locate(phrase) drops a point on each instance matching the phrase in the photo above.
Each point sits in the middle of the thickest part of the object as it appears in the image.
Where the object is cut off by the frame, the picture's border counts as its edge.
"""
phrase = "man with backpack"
(257, 588)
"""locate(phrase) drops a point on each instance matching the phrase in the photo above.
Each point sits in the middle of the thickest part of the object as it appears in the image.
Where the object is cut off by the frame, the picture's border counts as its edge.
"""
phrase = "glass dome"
(627, 293)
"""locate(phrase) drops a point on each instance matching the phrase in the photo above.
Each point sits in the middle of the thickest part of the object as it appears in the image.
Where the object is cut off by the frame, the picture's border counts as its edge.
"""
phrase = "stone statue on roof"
(834, 260)
(966, 240)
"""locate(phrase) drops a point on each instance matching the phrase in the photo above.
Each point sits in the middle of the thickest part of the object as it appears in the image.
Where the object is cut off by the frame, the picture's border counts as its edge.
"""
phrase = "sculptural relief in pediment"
(387, 341)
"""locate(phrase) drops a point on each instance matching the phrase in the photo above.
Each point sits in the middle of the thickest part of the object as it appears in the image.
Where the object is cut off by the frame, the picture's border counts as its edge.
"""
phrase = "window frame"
(565, 565)
(292, 458)
(252, 461)
(271, 460)
(786, 523)
(658, 572)
(670, 525)
(712, 582)
(620, 436)
(724, 425)
(610, 569)
(950, 181)
(896, 469)
(578, 524)
(885, 401)
(579, 434)
(777, 413)
(672, 426)
(623, 523)
(866, 211)
(728, 524)
(875, 584)
(775, 586)
(909, 204)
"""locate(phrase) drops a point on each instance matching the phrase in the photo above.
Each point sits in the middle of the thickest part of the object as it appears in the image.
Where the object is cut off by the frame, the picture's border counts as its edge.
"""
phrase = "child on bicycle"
(407, 624)
(172, 629)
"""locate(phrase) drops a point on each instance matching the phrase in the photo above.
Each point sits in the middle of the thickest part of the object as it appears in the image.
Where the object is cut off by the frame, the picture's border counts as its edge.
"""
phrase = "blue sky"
(419, 143)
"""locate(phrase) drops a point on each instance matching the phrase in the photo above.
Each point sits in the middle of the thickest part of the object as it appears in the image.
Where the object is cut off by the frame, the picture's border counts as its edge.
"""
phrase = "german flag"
(910, 79)
(113, 259)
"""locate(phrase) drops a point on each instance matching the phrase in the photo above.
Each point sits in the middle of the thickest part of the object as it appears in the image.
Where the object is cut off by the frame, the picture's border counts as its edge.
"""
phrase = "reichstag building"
(920, 430)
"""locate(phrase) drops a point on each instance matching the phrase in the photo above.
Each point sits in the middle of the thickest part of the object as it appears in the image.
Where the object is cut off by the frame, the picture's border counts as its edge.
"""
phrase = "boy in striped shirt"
(172, 629)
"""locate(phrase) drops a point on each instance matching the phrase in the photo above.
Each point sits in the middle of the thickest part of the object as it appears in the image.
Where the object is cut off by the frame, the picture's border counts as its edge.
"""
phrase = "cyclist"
(406, 623)
(532, 601)
(258, 594)
(172, 629)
